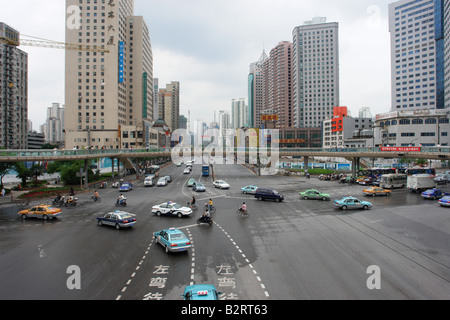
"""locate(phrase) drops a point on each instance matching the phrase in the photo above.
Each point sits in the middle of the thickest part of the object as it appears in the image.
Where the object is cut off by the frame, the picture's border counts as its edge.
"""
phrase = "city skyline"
(212, 62)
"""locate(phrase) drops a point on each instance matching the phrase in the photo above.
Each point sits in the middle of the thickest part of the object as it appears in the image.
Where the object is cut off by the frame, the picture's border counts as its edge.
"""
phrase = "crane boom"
(55, 45)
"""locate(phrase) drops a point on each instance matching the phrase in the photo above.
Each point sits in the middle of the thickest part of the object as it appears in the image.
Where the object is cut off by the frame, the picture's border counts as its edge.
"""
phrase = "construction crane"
(15, 40)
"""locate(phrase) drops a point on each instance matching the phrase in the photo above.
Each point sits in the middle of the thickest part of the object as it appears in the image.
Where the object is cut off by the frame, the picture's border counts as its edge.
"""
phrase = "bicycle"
(242, 213)
(96, 199)
(213, 209)
(192, 206)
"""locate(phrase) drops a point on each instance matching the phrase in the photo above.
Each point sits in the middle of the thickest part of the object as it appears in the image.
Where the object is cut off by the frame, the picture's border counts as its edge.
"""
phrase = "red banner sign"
(402, 149)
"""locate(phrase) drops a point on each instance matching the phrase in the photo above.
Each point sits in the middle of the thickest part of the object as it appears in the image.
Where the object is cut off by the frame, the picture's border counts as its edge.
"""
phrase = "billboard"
(121, 60)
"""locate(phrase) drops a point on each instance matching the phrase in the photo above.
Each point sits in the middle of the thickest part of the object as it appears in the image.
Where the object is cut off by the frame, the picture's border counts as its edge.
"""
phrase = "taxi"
(376, 191)
(173, 240)
(41, 212)
(314, 195)
(201, 292)
(445, 201)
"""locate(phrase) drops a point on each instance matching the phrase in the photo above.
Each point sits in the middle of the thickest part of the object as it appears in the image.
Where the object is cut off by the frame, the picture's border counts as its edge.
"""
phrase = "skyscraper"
(239, 113)
(417, 54)
(315, 72)
(169, 105)
(277, 85)
(109, 96)
(255, 91)
(54, 126)
(13, 91)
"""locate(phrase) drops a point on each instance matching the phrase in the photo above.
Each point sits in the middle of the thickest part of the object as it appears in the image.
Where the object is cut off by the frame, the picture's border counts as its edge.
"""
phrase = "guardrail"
(17, 155)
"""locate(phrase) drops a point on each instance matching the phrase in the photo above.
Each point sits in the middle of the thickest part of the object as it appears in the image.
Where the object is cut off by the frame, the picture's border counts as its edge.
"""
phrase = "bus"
(391, 181)
(420, 170)
(376, 172)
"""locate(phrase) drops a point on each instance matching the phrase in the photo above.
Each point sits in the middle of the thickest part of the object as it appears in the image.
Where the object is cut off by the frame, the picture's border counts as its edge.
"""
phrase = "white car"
(148, 182)
(162, 182)
(221, 184)
(172, 209)
(187, 171)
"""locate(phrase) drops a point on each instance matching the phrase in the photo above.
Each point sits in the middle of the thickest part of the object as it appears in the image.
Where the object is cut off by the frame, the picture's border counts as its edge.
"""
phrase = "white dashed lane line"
(246, 260)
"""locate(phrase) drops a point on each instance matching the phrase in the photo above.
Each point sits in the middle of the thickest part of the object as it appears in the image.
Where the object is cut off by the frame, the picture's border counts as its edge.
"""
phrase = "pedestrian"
(3, 192)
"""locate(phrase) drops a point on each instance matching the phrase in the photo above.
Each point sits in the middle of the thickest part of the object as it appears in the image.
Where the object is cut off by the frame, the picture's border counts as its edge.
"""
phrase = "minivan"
(268, 194)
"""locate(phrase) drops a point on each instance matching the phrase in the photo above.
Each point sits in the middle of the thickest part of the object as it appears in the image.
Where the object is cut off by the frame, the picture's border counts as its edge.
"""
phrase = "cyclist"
(210, 205)
(191, 204)
(243, 209)
(95, 196)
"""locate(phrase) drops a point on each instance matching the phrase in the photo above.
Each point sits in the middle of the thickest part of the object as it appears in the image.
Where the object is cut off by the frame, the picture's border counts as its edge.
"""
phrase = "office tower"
(54, 126)
(239, 113)
(365, 112)
(277, 85)
(13, 91)
(169, 105)
(109, 96)
(255, 91)
(417, 54)
(315, 72)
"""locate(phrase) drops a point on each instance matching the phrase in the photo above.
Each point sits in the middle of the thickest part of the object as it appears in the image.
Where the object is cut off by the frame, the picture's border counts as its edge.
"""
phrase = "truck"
(205, 171)
(420, 182)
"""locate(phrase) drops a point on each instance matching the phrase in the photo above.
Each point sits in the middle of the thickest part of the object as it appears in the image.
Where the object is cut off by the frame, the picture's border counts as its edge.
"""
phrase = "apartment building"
(13, 91)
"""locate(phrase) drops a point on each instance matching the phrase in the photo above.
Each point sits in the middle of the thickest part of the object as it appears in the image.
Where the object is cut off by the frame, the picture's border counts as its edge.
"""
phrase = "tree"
(35, 172)
(23, 173)
(4, 169)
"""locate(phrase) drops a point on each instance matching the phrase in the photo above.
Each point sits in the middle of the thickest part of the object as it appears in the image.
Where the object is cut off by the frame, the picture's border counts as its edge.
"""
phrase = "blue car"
(352, 203)
(249, 189)
(201, 292)
(199, 187)
(434, 194)
(173, 240)
(125, 187)
(445, 201)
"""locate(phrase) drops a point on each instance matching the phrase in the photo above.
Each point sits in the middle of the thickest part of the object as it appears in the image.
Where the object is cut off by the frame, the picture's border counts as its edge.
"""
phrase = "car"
(171, 209)
(162, 182)
(314, 195)
(41, 212)
(201, 292)
(249, 189)
(444, 201)
(173, 240)
(168, 178)
(199, 187)
(434, 194)
(442, 178)
(191, 182)
(148, 182)
(367, 181)
(187, 171)
(268, 194)
(117, 219)
(125, 187)
(376, 191)
(221, 184)
(352, 203)
(179, 164)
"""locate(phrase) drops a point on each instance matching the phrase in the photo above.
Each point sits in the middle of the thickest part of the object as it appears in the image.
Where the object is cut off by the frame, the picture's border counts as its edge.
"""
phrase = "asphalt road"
(297, 249)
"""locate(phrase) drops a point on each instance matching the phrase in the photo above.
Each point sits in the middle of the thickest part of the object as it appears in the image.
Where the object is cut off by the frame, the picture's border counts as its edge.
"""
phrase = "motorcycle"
(59, 202)
(205, 220)
(72, 203)
(121, 203)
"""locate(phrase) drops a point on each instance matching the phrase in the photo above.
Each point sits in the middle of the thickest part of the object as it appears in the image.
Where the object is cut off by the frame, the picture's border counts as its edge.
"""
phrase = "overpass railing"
(118, 152)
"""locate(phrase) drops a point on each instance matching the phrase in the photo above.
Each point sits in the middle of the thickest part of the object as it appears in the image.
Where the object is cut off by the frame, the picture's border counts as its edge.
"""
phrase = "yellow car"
(376, 191)
(41, 212)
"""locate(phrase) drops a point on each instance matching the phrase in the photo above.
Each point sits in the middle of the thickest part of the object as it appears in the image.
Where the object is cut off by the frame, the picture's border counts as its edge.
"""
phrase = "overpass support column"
(86, 172)
(112, 167)
(306, 164)
(355, 166)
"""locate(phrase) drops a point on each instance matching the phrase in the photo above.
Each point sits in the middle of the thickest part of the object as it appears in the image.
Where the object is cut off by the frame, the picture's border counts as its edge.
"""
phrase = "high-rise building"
(239, 113)
(109, 96)
(169, 105)
(446, 24)
(417, 54)
(255, 91)
(54, 126)
(224, 122)
(13, 91)
(315, 75)
(277, 85)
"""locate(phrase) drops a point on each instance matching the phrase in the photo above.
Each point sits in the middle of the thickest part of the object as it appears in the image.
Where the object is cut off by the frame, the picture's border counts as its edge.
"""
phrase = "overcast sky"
(208, 46)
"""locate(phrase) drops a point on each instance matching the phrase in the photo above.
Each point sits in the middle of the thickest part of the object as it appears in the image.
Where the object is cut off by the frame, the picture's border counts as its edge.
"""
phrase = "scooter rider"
(243, 209)
(121, 199)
